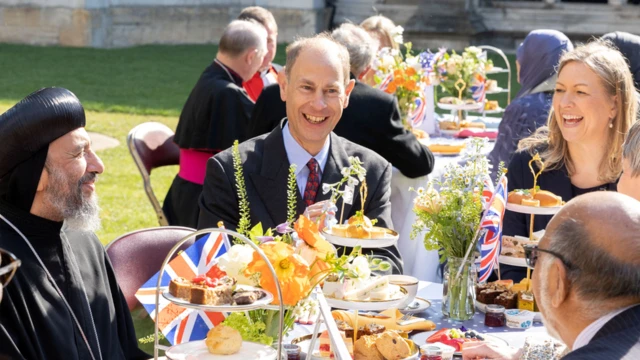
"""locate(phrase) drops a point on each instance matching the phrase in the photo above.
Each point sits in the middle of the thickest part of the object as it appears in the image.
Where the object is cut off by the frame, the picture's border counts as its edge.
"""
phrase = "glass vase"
(458, 294)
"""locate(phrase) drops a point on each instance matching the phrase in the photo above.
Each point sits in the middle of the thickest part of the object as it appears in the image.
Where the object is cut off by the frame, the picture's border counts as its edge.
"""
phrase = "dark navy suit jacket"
(618, 339)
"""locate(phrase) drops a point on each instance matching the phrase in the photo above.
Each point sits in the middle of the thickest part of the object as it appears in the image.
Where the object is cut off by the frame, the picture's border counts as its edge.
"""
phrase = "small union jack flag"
(179, 324)
(419, 113)
(384, 84)
(478, 89)
(490, 243)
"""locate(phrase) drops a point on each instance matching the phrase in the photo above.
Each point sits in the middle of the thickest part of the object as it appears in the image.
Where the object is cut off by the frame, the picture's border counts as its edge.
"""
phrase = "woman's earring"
(610, 125)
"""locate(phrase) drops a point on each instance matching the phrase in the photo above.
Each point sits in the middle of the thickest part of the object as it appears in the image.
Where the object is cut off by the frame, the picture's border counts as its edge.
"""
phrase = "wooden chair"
(138, 255)
(151, 146)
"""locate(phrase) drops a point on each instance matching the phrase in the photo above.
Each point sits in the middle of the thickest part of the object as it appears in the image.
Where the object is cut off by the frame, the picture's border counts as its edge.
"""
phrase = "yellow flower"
(292, 272)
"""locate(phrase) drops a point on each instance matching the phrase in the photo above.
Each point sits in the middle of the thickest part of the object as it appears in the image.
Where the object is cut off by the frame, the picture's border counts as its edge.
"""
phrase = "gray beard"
(85, 218)
(79, 212)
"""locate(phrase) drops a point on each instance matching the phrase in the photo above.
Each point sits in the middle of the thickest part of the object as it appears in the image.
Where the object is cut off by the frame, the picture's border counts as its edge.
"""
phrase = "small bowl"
(519, 319)
(410, 284)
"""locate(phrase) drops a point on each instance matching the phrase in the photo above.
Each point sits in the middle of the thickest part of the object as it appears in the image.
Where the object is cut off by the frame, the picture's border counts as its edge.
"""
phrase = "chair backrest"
(138, 255)
(151, 146)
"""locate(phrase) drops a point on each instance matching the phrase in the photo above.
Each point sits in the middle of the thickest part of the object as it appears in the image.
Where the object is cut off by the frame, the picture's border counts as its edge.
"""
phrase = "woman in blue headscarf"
(536, 61)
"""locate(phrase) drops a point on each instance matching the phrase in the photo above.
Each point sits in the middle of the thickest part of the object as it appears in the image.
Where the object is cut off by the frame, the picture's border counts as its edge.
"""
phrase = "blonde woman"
(593, 107)
(384, 30)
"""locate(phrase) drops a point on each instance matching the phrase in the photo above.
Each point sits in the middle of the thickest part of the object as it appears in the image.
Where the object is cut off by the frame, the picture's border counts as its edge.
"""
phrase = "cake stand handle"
(237, 236)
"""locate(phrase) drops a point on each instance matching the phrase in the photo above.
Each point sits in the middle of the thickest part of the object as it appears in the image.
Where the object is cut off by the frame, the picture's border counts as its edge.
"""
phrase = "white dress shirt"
(590, 331)
(300, 157)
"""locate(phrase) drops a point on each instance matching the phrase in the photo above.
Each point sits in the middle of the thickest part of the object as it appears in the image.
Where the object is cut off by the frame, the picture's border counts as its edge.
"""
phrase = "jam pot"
(494, 317)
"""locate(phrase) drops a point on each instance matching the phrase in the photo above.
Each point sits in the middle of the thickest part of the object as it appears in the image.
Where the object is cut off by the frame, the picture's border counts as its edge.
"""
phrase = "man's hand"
(489, 351)
(316, 211)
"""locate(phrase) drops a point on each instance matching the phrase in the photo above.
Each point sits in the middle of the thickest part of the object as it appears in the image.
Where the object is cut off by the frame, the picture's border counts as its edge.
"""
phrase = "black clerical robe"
(216, 114)
(34, 321)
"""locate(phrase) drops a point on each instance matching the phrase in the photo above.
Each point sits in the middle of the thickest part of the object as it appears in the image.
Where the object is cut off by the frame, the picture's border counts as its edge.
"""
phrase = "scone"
(365, 349)
(392, 346)
(223, 340)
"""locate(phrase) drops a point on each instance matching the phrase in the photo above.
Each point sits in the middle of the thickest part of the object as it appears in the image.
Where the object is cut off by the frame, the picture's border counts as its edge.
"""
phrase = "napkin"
(390, 323)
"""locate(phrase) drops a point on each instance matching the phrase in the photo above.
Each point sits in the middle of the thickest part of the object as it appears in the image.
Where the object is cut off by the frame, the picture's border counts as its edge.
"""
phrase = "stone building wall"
(118, 23)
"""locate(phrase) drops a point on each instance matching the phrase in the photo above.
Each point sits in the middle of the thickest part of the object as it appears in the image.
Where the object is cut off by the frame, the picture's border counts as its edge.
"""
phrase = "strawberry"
(211, 282)
(436, 336)
(215, 272)
(199, 280)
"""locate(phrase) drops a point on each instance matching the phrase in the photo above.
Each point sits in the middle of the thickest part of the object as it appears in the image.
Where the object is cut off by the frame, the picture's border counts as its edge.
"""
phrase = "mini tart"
(548, 198)
(531, 202)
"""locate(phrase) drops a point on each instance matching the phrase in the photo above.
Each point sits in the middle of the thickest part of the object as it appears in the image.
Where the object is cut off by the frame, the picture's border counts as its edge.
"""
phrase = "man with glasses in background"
(586, 280)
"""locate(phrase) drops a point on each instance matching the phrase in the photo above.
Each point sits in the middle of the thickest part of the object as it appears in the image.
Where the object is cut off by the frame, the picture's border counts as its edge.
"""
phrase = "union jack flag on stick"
(179, 324)
(490, 242)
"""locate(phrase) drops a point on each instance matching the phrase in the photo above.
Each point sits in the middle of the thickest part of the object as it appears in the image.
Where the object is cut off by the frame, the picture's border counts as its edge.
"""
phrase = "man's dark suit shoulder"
(618, 339)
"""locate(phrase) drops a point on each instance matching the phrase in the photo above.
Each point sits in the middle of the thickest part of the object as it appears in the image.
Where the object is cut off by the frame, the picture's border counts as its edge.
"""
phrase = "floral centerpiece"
(405, 76)
(301, 257)
(463, 75)
(450, 218)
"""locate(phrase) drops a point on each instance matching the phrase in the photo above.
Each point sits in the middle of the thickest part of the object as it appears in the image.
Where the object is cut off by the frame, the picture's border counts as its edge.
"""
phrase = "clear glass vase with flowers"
(462, 76)
(405, 76)
(450, 218)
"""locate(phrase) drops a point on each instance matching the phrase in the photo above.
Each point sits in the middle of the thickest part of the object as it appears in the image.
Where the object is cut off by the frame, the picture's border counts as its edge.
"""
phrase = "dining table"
(432, 292)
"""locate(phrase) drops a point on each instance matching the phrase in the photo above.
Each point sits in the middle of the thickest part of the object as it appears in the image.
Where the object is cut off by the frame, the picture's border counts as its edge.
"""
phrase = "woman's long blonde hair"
(609, 64)
(383, 27)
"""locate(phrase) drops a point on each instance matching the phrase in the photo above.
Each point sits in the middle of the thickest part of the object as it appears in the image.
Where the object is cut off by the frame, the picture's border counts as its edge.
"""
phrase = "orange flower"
(397, 73)
(411, 85)
(292, 272)
(308, 231)
(391, 89)
(411, 71)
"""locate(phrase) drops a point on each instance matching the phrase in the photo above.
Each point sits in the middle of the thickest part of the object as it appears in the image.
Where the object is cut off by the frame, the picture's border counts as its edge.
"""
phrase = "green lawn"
(120, 88)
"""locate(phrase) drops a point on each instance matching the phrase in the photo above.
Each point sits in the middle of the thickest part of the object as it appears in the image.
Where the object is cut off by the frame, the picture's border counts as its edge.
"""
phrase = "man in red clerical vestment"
(268, 72)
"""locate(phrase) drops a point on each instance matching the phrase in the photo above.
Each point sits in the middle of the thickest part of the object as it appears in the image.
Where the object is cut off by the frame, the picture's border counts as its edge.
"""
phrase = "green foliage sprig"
(243, 203)
(451, 215)
(292, 195)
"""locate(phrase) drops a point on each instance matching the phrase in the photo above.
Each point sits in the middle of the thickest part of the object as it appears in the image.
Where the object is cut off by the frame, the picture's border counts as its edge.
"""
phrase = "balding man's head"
(242, 35)
(599, 235)
(322, 43)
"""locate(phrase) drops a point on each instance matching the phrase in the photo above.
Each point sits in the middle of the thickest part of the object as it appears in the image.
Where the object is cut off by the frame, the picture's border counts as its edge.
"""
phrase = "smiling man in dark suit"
(587, 280)
(372, 118)
(316, 88)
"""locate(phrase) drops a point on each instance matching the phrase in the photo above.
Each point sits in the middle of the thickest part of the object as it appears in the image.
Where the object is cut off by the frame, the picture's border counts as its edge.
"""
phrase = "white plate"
(475, 106)
(421, 339)
(445, 154)
(390, 238)
(197, 350)
(449, 132)
(536, 210)
(513, 261)
(423, 305)
(495, 111)
(370, 305)
(497, 70)
(483, 307)
(497, 90)
(305, 341)
(260, 303)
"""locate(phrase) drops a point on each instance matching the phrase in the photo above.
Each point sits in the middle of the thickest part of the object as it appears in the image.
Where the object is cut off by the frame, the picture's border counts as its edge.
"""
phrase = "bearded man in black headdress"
(64, 303)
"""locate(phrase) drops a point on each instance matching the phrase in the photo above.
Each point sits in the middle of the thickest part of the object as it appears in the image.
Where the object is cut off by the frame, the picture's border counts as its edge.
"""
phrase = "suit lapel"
(337, 160)
(271, 180)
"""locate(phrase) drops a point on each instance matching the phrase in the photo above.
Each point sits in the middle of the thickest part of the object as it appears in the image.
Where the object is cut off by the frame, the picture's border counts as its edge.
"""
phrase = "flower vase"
(458, 297)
